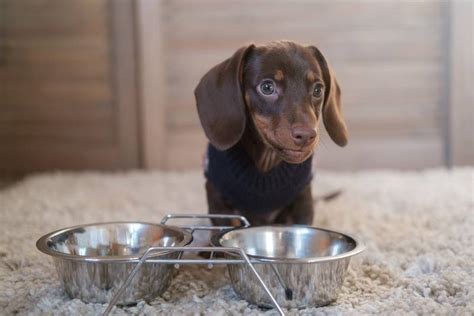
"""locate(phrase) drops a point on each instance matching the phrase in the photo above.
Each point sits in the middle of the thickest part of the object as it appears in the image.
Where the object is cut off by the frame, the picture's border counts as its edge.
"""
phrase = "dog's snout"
(302, 135)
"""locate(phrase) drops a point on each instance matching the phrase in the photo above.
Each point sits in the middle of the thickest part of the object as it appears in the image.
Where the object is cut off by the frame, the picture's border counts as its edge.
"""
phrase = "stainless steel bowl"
(302, 266)
(93, 260)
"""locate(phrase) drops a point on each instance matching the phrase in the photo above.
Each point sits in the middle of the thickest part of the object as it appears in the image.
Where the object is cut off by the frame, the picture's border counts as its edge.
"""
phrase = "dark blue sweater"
(235, 176)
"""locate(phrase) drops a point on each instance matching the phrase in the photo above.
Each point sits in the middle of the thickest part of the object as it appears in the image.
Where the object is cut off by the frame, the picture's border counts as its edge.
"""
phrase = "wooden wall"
(67, 83)
(460, 115)
(389, 57)
(108, 84)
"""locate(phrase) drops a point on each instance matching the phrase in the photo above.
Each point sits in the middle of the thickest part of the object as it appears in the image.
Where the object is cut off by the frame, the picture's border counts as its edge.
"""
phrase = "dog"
(261, 110)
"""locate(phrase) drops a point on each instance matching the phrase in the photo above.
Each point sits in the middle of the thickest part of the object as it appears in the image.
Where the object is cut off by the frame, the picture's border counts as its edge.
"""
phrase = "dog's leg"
(300, 211)
(217, 205)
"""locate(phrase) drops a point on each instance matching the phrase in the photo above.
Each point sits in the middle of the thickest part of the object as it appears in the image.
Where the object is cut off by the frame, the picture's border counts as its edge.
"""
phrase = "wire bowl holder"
(152, 254)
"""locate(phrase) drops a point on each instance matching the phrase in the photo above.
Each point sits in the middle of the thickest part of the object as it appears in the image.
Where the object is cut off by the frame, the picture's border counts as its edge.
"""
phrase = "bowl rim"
(360, 246)
(41, 244)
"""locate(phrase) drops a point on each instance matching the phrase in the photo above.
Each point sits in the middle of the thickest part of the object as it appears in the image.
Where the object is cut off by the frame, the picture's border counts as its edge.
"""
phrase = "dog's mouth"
(288, 154)
(294, 156)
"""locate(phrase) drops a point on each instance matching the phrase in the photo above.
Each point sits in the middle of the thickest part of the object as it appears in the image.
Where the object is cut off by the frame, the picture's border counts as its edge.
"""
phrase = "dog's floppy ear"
(332, 107)
(220, 101)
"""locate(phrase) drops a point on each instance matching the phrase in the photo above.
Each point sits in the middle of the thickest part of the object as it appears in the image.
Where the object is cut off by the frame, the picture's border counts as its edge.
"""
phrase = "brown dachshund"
(261, 110)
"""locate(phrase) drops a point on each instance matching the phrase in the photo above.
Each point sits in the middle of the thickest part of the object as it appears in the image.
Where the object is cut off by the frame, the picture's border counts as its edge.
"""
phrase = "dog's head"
(283, 87)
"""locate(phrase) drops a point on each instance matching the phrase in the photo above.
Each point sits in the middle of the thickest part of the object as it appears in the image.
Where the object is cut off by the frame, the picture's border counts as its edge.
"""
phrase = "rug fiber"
(418, 227)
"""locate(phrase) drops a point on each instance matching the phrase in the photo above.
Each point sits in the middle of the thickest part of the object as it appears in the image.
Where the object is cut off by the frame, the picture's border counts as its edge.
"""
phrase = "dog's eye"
(267, 87)
(318, 90)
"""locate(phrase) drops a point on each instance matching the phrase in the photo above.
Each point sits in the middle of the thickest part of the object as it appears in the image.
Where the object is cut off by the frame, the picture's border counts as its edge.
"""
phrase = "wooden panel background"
(461, 112)
(103, 84)
(67, 98)
(389, 57)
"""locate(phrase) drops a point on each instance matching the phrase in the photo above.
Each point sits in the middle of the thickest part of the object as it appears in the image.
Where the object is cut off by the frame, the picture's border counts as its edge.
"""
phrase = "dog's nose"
(302, 135)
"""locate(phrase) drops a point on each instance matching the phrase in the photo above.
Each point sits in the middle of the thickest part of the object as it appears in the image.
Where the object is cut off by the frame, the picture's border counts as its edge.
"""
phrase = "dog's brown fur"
(280, 127)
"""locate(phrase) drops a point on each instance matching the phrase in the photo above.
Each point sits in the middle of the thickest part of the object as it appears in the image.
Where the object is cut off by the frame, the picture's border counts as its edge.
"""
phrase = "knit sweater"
(235, 176)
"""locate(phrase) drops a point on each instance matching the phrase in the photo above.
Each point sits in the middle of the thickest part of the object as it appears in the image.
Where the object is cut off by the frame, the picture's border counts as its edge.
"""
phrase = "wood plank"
(32, 57)
(50, 114)
(398, 153)
(152, 89)
(423, 45)
(17, 159)
(50, 135)
(55, 92)
(461, 114)
(185, 150)
(242, 13)
(55, 18)
(68, 78)
(124, 82)
(385, 23)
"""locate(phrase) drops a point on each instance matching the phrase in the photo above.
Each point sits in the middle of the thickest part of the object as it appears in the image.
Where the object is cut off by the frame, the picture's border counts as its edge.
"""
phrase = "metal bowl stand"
(152, 255)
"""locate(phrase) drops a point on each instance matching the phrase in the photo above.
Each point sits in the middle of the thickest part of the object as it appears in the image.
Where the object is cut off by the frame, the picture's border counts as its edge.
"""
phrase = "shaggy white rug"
(418, 226)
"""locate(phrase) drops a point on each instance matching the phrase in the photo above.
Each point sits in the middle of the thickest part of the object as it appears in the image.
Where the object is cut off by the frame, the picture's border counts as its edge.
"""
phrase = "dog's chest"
(235, 175)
